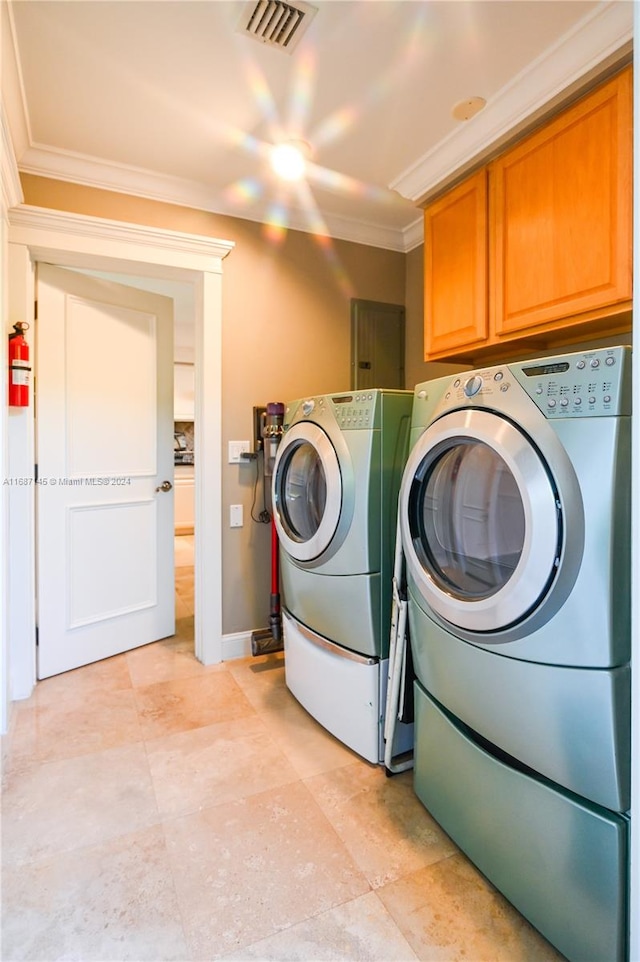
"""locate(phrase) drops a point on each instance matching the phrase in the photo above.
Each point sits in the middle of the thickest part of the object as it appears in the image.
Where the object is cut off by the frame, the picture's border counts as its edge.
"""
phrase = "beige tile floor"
(155, 809)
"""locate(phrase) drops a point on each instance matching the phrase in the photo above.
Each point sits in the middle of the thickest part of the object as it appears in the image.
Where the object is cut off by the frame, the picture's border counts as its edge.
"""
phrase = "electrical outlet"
(235, 451)
(235, 516)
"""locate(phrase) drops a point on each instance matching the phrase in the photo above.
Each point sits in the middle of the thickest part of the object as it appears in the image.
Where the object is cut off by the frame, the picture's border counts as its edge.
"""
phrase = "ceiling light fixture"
(289, 159)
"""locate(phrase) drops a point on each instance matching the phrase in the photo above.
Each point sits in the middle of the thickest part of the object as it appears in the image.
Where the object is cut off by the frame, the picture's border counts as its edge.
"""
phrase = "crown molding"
(13, 95)
(602, 36)
(11, 187)
(43, 161)
(75, 168)
(413, 235)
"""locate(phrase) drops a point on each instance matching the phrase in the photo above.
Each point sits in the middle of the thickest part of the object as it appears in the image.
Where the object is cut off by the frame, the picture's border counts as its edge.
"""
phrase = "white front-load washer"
(515, 519)
(335, 488)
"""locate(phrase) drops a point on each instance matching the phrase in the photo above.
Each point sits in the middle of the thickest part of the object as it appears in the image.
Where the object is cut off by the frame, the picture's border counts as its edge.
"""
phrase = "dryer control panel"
(355, 410)
(594, 383)
(585, 384)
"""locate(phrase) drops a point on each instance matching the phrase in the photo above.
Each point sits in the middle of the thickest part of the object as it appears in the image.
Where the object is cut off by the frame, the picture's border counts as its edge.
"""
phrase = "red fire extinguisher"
(19, 369)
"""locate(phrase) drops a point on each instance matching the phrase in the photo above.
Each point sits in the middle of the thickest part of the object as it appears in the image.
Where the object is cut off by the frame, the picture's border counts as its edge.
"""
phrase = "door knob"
(165, 486)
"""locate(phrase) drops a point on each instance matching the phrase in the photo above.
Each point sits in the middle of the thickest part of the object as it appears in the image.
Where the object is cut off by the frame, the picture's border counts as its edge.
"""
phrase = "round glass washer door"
(480, 520)
(307, 487)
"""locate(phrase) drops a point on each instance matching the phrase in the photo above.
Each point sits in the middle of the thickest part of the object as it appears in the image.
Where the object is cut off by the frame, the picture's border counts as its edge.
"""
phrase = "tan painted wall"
(286, 333)
(416, 369)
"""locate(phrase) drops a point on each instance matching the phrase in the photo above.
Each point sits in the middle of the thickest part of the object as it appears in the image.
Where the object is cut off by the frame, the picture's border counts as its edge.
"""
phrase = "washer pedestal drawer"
(561, 861)
(346, 609)
(344, 691)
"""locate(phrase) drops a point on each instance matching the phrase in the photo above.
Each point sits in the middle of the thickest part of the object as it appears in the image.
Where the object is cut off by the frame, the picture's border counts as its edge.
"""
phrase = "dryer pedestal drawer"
(560, 860)
(572, 725)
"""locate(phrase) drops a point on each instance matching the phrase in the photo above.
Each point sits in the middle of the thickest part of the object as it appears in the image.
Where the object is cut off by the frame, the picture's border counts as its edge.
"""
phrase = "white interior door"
(104, 448)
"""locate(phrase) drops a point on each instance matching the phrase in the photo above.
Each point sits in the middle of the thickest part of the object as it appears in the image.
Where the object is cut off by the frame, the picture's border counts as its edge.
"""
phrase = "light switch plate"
(235, 451)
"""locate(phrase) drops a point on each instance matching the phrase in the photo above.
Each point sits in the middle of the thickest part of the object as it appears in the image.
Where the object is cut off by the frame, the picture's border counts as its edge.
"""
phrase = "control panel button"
(308, 406)
(498, 376)
(564, 402)
(595, 362)
(551, 403)
(581, 365)
(578, 401)
(610, 361)
(607, 399)
(538, 390)
(592, 400)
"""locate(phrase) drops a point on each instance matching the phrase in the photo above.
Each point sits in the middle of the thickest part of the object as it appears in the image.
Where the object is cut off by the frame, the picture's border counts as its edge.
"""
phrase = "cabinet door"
(455, 249)
(561, 209)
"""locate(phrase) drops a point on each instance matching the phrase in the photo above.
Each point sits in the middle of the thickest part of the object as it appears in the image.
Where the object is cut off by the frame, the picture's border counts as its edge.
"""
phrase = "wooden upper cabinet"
(561, 216)
(456, 251)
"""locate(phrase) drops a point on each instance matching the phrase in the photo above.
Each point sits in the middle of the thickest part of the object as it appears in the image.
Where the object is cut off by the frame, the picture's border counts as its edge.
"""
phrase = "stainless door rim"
(306, 432)
(544, 525)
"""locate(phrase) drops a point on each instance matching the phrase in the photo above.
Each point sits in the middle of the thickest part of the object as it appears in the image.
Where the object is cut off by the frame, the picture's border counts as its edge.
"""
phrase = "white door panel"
(114, 583)
(104, 437)
(104, 426)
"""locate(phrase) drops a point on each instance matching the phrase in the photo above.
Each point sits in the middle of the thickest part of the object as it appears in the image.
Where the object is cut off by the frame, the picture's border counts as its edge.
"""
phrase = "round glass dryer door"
(307, 489)
(480, 521)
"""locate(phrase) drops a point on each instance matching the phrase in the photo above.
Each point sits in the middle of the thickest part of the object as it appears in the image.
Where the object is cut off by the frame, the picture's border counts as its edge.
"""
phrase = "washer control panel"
(352, 411)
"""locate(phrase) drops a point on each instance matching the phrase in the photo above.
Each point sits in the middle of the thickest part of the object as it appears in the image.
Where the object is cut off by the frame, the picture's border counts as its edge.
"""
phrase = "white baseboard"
(237, 645)
(234, 645)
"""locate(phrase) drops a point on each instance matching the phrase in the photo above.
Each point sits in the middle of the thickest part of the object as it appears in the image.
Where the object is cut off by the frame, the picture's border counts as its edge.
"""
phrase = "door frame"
(81, 241)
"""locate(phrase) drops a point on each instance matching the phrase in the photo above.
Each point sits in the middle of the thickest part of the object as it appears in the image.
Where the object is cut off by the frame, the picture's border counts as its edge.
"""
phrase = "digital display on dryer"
(558, 368)
(345, 399)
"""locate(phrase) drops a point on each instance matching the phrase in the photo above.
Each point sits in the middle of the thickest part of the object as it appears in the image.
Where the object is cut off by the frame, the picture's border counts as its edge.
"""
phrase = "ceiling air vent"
(276, 24)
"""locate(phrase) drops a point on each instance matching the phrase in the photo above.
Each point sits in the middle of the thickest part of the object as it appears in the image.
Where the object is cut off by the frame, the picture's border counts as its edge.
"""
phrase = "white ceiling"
(167, 99)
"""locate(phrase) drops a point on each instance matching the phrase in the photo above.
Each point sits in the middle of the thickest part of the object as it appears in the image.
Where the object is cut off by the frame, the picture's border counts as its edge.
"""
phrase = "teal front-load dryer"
(335, 493)
(515, 518)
